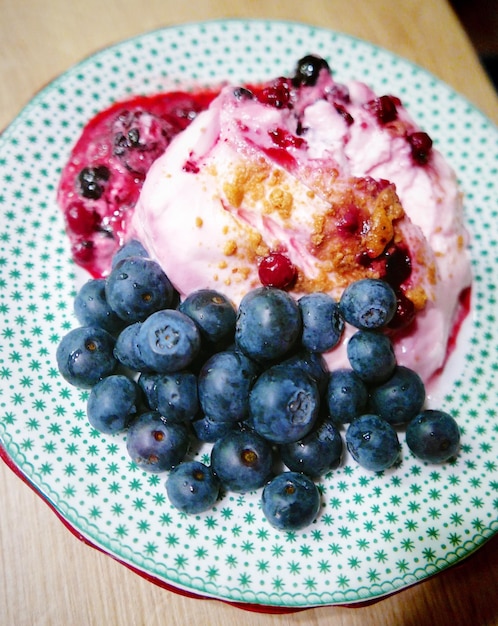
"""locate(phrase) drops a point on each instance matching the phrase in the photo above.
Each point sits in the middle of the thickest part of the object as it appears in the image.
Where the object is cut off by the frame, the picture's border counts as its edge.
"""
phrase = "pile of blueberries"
(251, 381)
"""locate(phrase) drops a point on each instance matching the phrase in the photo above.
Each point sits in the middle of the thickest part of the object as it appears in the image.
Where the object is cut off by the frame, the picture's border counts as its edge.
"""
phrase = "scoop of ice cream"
(327, 174)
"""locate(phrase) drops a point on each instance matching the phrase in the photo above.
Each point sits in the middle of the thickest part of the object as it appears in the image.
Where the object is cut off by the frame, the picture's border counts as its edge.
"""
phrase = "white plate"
(377, 533)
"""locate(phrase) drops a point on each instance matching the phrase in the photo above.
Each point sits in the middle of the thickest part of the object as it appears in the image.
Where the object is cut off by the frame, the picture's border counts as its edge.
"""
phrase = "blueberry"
(92, 181)
(347, 396)
(317, 453)
(283, 404)
(126, 349)
(400, 398)
(323, 324)
(371, 355)
(176, 396)
(242, 93)
(313, 364)
(433, 436)
(155, 443)
(268, 324)
(168, 341)
(85, 356)
(242, 460)
(372, 442)
(130, 248)
(290, 501)
(192, 487)
(308, 69)
(213, 313)
(210, 431)
(92, 309)
(224, 384)
(147, 383)
(368, 303)
(113, 403)
(139, 138)
(137, 287)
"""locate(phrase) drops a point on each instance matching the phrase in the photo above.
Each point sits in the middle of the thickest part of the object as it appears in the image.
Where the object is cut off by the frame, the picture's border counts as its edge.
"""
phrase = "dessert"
(338, 182)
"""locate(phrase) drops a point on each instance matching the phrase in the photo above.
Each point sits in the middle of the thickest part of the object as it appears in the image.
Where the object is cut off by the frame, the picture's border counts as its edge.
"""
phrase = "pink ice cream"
(340, 181)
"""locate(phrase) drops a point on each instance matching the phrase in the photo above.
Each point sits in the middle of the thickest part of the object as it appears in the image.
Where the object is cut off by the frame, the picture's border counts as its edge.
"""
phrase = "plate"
(376, 533)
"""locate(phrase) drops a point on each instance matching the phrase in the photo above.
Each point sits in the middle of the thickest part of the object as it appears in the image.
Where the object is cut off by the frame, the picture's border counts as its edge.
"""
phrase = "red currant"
(421, 146)
(277, 94)
(277, 270)
(83, 252)
(82, 220)
(384, 108)
(284, 139)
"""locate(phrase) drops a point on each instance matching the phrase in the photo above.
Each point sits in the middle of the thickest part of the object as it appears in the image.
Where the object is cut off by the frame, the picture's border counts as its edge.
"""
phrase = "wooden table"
(47, 576)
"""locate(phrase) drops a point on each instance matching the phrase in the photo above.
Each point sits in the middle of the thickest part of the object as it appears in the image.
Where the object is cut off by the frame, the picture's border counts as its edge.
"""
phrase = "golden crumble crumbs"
(247, 181)
(261, 251)
(380, 232)
(230, 248)
(418, 296)
(432, 274)
(318, 229)
(276, 177)
(362, 221)
(279, 201)
(370, 225)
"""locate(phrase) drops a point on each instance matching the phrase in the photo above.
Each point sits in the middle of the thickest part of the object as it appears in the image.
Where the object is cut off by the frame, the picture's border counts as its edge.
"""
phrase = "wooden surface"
(47, 576)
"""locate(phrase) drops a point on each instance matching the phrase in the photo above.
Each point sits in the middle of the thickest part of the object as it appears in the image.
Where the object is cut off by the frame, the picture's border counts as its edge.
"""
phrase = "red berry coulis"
(104, 176)
(421, 147)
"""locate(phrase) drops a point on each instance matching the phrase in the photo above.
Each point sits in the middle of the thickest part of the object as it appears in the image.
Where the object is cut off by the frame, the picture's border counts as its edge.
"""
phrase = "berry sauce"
(464, 301)
(461, 313)
(101, 182)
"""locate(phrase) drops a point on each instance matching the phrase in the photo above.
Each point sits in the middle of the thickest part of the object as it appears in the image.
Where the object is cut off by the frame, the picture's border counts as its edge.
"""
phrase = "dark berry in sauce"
(421, 147)
(404, 315)
(398, 267)
(92, 181)
(308, 69)
(241, 93)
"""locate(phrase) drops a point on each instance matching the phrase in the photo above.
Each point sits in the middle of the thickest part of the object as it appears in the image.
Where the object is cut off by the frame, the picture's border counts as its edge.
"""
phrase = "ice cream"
(332, 178)
(341, 182)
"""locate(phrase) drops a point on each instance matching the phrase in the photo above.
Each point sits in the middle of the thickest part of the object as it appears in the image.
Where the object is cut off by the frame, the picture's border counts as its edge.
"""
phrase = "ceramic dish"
(377, 533)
